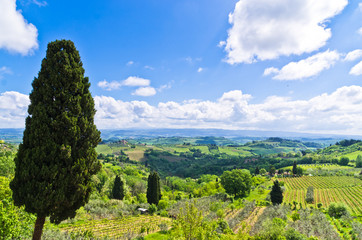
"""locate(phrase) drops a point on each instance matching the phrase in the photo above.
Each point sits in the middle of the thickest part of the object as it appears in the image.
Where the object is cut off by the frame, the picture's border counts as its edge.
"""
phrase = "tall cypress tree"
(118, 189)
(294, 170)
(153, 189)
(57, 158)
(257, 171)
(276, 194)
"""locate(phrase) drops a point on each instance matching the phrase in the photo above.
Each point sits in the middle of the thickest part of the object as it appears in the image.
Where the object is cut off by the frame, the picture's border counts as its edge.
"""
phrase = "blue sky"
(283, 65)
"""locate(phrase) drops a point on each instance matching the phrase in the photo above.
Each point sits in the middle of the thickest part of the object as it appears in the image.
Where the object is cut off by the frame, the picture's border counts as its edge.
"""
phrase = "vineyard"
(117, 228)
(326, 190)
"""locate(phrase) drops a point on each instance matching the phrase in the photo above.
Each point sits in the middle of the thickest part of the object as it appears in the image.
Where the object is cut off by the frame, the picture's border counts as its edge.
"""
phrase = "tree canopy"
(237, 182)
(57, 158)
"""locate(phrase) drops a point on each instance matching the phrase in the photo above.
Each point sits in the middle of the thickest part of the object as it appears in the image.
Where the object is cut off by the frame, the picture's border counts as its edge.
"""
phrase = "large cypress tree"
(276, 194)
(57, 158)
(294, 169)
(153, 189)
(118, 189)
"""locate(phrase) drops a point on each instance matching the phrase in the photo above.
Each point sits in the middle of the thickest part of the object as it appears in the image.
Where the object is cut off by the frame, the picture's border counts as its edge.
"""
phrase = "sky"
(281, 65)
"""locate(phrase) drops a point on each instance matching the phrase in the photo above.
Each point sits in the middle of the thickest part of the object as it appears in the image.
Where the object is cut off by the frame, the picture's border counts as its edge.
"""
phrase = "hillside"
(191, 180)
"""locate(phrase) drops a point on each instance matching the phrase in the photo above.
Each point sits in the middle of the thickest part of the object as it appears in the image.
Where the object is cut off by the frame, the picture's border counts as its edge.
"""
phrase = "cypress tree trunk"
(38, 229)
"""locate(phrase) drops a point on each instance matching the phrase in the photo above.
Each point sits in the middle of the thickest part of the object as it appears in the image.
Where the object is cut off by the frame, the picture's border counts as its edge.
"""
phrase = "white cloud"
(40, 3)
(336, 112)
(129, 82)
(109, 86)
(353, 55)
(13, 109)
(267, 29)
(165, 86)
(4, 70)
(360, 6)
(149, 67)
(130, 63)
(200, 69)
(221, 44)
(145, 91)
(136, 82)
(16, 34)
(357, 69)
(359, 31)
(305, 68)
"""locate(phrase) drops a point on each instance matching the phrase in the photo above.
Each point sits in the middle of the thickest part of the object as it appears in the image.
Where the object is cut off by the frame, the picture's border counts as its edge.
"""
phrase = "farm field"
(326, 190)
(118, 228)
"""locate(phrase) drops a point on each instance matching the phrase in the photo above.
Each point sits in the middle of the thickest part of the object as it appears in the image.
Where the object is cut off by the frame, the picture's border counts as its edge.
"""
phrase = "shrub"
(309, 198)
(337, 210)
(152, 209)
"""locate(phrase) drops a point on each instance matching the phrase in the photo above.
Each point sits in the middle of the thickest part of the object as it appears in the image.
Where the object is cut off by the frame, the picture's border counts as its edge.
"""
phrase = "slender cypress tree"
(118, 189)
(276, 194)
(57, 158)
(294, 170)
(257, 171)
(153, 189)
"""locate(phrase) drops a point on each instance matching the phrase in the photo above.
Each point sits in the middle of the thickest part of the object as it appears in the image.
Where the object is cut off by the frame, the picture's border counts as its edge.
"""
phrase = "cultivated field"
(119, 228)
(326, 190)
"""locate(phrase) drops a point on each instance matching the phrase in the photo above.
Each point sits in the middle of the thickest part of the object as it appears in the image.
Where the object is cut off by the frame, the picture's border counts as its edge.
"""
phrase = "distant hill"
(239, 136)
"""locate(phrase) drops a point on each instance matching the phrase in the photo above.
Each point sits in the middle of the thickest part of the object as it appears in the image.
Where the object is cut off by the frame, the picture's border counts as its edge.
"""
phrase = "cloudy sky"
(282, 65)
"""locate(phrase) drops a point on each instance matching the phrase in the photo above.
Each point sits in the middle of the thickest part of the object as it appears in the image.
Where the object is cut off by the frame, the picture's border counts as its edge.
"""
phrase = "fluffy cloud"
(266, 29)
(13, 109)
(338, 112)
(145, 91)
(357, 69)
(136, 82)
(130, 82)
(353, 55)
(16, 34)
(305, 68)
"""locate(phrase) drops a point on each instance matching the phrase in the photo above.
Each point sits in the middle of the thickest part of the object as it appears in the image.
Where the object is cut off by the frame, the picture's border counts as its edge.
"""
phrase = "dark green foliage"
(337, 210)
(153, 189)
(276, 194)
(237, 182)
(57, 158)
(309, 198)
(299, 171)
(294, 170)
(359, 161)
(344, 161)
(257, 171)
(118, 189)
(272, 170)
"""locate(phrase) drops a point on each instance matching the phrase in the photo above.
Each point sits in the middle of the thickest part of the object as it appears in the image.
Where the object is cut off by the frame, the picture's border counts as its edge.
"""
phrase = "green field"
(326, 190)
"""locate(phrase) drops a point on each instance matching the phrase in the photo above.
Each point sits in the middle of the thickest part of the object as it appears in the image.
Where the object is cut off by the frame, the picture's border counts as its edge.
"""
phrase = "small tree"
(257, 170)
(57, 158)
(309, 198)
(359, 161)
(276, 194)
(237, 182)
(294, 170)
(272, 170)
(118, 189)
(153, 189)
(344, 161)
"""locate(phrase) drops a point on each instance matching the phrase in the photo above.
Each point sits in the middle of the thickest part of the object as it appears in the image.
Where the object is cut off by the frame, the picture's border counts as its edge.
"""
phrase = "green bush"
(337, 210)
